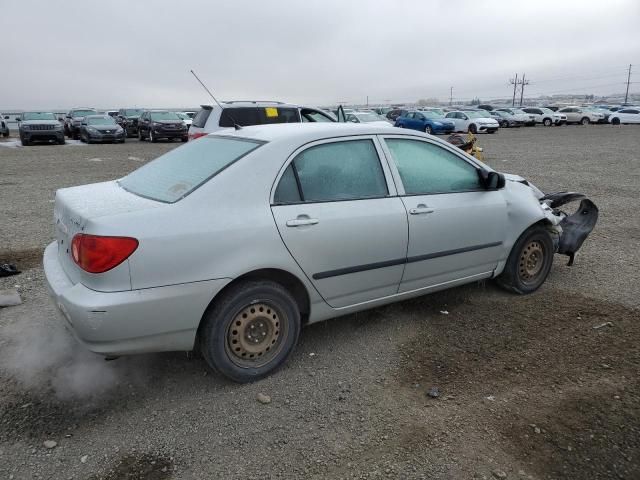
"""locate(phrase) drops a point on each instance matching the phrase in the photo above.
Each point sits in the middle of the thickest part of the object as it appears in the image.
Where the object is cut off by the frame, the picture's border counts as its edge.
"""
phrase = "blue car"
(425, 121)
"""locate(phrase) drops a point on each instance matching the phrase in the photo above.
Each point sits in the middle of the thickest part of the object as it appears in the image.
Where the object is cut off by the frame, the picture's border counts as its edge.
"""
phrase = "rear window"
(179, 172)
(200, 120)
(246, 116)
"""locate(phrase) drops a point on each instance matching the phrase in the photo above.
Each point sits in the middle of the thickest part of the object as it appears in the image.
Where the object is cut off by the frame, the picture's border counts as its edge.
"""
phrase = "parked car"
(428, 122)
(212, 118)
(437, 110)
(506, 120)
(473, 121)
(395, 113)
(40, 127)
(488, 108)
(128, 118)
(157, 124)
(185, 118)
(4, 125)
(546, 116)
(367, 117)
(604, 114)
(191, 114)
(526, 118)
(625, 115)
(229, 245)
(111, 113)
(553, 108)
(101, 128)
(74, 119)
(581, 115)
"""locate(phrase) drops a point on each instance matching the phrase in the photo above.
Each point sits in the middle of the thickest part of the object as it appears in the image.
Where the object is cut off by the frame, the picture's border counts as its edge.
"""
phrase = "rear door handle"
(421, 209)
(302, 221)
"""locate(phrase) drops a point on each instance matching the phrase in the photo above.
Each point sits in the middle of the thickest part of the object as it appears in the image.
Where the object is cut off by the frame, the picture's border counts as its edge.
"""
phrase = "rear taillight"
(194, 135)
(97, 254)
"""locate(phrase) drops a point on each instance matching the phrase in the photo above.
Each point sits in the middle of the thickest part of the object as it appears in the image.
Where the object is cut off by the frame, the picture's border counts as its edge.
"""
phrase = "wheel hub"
(531, 260)
(254, 332)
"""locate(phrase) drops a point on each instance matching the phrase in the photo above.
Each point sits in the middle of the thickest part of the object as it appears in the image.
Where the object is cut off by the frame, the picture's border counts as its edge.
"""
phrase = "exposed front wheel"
(529, 262)
(547, 122)
(615, 121)
(250, 331)
(152, 137)
(140, 137)
(585, 121)
(428, 129)
(473, 129)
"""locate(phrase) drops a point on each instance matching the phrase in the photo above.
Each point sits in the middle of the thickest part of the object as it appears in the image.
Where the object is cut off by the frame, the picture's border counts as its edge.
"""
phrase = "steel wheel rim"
(256, 335)
(532, 260)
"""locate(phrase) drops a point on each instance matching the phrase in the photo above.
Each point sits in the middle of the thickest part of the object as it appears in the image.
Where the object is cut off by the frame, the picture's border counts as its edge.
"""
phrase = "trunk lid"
(79, 209)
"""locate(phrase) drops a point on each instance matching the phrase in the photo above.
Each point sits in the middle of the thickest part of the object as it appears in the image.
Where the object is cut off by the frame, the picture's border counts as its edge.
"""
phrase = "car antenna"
(235, 124)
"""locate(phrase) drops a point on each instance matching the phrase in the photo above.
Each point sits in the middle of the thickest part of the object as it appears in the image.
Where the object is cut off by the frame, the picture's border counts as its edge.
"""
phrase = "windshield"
(38, 116)
(477, 114)
(183, 116)
(547, 110)
(517, 110)
(133, 112)
(82, 113)
(164, 116)
(100, 121)
(439, 111)
(179, 172)
(368, 117)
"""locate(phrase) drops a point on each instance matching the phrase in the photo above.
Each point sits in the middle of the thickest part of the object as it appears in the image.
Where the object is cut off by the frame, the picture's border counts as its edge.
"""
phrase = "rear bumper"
(133, 321)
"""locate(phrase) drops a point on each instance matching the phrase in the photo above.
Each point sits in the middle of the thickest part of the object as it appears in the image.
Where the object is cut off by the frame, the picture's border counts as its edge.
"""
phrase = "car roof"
(252, 103)
(308, 132)
(103, 115)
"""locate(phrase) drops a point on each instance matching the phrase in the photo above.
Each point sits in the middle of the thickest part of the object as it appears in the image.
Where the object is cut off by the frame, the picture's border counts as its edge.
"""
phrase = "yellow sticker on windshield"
(271, 111)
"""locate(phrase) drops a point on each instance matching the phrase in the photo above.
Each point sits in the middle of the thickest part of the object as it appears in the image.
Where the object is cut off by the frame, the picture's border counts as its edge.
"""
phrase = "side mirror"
(491, 180)
(6, 117)
(17, 119)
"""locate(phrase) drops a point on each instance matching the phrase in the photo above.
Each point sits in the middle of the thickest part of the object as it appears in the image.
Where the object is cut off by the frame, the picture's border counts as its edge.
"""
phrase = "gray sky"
(117, 53)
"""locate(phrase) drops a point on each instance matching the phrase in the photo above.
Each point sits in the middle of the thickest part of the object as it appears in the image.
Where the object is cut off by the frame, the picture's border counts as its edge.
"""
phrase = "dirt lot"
(528, 388)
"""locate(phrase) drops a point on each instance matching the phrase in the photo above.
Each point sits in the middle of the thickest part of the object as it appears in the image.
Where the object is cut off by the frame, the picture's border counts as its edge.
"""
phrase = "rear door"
(337, 213)
(456, 226)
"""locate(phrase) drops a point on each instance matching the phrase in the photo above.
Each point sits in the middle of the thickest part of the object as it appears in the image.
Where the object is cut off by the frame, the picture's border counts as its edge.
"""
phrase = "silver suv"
(227, 115)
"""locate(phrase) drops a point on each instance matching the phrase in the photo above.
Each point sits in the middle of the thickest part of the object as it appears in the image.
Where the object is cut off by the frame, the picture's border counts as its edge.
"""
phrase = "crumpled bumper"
(575, 228)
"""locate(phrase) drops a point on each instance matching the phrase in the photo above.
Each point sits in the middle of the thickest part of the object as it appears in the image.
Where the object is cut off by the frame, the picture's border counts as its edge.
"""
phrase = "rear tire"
(504, 124)
(140, 137)
(152, 137)
(250, 331)
(529, 262)
(547, 122)
(585, 121)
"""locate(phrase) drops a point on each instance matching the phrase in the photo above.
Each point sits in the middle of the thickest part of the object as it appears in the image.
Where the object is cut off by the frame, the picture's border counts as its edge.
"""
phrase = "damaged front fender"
(575, 227)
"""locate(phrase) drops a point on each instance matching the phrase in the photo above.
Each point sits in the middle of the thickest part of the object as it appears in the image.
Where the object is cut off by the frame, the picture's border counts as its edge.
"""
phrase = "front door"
(456, 226)
(337, 213)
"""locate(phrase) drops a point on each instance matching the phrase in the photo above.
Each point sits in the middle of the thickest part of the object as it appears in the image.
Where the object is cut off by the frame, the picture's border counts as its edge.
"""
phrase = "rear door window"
(179, 172)
(345, 170)
(246, 116)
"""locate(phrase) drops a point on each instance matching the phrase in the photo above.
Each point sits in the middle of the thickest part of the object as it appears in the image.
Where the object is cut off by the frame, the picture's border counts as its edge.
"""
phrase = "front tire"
(152, 137)
(585, 121)
(529, 262)
(473, 129)
(250, 331)
(615, 121)
(547, 122)
(427, 129)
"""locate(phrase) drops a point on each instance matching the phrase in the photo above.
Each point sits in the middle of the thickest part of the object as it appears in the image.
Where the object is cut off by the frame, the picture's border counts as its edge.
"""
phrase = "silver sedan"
(231, 243)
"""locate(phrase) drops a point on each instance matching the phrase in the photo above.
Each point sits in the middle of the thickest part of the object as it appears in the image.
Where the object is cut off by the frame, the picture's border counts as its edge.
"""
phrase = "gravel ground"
(527, 387)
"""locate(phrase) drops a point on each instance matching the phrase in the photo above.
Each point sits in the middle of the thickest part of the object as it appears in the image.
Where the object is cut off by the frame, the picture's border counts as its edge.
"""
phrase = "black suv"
(39, 127)
(157, 124)
(74, 119)
(128, 118)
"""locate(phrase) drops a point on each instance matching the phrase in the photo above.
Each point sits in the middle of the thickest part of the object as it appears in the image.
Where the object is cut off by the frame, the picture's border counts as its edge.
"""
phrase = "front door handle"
(301, 221)
(421, 209)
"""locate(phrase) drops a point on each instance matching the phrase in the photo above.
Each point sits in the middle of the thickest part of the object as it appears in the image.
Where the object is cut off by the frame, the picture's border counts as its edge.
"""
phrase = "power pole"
(514, 82)
(523, 82)
(451, 96)
(626, 95)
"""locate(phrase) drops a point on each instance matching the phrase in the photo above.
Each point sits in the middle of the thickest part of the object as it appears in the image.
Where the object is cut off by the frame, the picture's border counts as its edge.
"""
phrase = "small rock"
(262, 398)
(444, 312)
(10, 298)
(491, 398)
(499, 474)
(433, 392)
(537, 429)
(50, 444)
(312, 354)
(164, 469)
(84, 458)
(605, 324)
